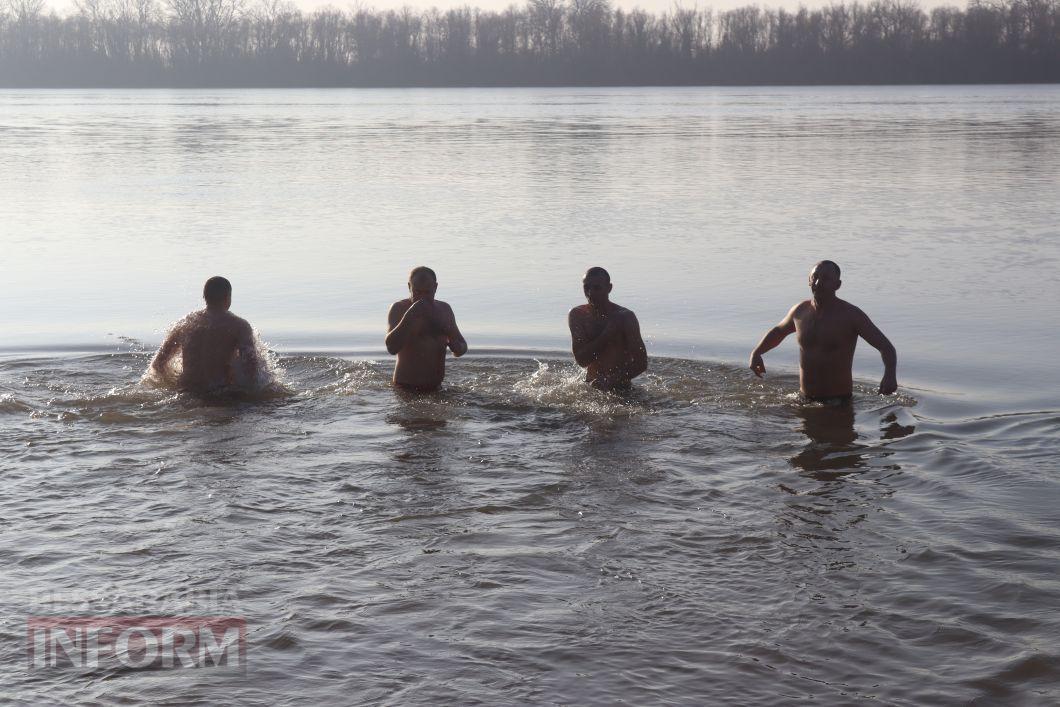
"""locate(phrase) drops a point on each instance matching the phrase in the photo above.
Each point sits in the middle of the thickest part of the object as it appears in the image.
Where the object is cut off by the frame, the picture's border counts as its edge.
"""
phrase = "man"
(605, 338)
(217, 348)
(828, 329)
(419, 330)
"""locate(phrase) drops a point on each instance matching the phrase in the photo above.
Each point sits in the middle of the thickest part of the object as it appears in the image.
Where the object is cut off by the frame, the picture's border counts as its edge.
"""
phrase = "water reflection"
(891, 428)
(834, 448)
(425, 441)
(822, 513)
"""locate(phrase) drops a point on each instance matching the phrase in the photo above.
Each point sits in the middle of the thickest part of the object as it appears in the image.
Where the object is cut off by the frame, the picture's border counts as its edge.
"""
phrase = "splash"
(266, 382)
(9, 404)
(562, 385)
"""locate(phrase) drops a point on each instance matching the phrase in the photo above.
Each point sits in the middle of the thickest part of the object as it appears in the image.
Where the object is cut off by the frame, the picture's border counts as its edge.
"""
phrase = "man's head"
(217, 292)
(596, 284)
(423, 283)
(824, 279)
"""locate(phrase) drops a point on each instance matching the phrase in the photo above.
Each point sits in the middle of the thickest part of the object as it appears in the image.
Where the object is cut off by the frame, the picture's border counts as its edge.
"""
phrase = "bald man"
(828, 329)
(419, 328)
(218, 350)
(605, 337)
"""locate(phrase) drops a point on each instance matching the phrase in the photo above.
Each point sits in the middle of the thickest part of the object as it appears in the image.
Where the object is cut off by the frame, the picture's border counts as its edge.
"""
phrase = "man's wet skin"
(420, 328)
(827, 329)
(605, 337)
(217, 349)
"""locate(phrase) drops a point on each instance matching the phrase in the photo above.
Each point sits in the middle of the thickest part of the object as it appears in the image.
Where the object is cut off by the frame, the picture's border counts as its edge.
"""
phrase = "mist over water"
(518, 536)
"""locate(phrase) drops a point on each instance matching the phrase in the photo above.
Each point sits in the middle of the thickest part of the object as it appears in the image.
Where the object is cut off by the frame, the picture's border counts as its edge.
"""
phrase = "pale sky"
(656, 6)
(650, 5)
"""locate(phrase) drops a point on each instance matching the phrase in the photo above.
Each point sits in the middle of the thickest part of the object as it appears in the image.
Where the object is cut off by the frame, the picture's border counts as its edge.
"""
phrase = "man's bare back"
(217, 348)
(419, 329)
(605, 337)
(827, 330)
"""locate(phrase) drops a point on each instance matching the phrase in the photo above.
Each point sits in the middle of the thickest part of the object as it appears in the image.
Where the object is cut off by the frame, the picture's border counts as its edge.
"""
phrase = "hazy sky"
(651, 5)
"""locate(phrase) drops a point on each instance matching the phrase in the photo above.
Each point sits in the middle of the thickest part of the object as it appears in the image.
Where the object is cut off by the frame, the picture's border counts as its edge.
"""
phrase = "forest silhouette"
(227, 43)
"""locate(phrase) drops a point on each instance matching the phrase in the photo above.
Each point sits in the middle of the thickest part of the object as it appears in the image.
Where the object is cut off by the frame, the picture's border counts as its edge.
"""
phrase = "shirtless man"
(217, 348)
(419, 329)
(605, 337)
(828, 329)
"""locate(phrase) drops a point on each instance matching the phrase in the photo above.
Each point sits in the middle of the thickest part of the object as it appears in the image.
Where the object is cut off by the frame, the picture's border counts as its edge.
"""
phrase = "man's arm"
(586, 350)
(168, 348)
(638, 353)
(875, 338)
(772, 340)
(402, 324)
(457, 343)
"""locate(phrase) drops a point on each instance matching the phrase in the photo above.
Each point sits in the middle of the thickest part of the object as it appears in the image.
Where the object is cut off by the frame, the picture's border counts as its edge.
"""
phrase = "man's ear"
(838, 284)
(609, 286)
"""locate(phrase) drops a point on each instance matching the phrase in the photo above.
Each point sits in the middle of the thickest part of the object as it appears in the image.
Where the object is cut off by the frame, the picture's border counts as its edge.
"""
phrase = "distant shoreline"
(544, 43)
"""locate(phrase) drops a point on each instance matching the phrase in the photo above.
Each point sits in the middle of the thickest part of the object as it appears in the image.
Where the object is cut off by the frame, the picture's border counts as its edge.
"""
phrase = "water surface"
(519, 537)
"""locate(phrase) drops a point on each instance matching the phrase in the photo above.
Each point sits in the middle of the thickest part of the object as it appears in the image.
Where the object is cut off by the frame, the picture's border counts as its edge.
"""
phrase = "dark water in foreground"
(520, 538)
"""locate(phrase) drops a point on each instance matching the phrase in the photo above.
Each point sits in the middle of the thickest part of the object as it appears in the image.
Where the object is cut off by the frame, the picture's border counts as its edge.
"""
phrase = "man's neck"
(825, 301)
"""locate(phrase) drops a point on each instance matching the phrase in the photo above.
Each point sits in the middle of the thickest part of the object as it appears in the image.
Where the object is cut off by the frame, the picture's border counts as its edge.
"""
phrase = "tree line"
(175, 43)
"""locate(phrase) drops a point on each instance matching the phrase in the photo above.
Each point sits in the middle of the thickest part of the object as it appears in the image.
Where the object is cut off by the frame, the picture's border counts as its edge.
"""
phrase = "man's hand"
(757, 364)
(424, 313)
(403, 322)
(772, 339)
(889, 384)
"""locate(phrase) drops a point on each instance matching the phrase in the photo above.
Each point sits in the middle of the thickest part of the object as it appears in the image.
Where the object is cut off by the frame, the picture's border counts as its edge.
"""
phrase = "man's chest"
(594, 325)
(824, 332)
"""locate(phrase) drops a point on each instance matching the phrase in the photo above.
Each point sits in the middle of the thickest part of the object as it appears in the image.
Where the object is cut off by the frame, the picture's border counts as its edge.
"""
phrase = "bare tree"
(201, 26)
(546, 20)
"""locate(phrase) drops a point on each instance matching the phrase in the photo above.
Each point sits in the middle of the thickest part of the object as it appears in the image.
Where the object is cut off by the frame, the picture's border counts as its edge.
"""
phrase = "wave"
(10, 405)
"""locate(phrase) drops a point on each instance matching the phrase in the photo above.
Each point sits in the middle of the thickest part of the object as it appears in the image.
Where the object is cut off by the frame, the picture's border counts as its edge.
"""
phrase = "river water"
(518, 537)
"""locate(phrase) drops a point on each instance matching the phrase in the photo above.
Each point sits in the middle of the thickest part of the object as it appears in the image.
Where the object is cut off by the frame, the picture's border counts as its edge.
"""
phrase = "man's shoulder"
(622, 315)
(236, 322)
(401, 304)
(192, 321)
(579, 310)
(849, 309)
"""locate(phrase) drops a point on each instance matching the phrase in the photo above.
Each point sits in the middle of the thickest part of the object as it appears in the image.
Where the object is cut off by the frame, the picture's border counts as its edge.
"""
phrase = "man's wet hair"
(832, 265)
(598, 272)
(422, 270)
(216, 289)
